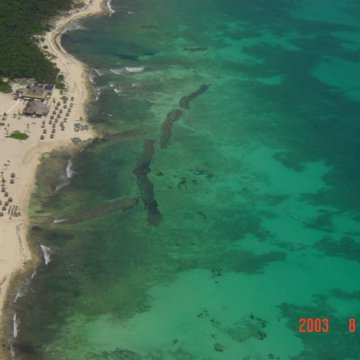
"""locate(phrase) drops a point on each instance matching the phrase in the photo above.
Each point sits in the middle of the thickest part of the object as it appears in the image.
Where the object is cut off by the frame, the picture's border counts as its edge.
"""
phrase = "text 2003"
(321, 325)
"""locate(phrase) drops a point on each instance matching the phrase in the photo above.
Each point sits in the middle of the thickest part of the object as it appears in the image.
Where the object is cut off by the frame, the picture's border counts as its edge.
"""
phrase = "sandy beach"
(63, 126)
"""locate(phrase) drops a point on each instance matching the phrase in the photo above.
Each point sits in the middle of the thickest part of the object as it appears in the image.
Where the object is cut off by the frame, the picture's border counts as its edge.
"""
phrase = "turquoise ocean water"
(223, 204)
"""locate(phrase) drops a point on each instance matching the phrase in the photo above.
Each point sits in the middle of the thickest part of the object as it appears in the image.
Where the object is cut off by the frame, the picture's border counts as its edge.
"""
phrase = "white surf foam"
(47, 253)
(118, 71)
(12, 351)
(60, 220)
(111, 10)
(16, 323)
(69, 171)
(62, 185)
(18, 295)
(91, 79)
(135, 69)
(100, 72)
(74, 27)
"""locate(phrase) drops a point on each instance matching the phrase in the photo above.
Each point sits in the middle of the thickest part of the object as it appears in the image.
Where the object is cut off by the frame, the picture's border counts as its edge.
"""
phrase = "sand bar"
(19, 158)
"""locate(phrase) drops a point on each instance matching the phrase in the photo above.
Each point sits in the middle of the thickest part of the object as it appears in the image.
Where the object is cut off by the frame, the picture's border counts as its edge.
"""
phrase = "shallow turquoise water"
(248, 219)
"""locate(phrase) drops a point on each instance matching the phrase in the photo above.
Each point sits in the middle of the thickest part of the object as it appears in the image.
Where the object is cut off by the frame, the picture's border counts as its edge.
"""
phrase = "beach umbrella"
(42, 137)
(6, 194)
(12, 175)
(12, 181)
(1, 213)
(10, 199)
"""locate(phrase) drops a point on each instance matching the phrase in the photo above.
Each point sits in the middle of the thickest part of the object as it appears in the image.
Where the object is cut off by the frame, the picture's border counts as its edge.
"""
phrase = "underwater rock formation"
(185, 101)
(195, 48)
(166, 128)
(145, 186)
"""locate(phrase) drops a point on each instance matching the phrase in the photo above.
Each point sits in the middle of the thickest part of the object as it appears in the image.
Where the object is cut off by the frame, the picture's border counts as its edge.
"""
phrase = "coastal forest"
(20, 20)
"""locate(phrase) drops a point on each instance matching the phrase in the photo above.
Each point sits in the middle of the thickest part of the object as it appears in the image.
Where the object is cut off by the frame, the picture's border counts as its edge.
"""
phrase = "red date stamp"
(322, 325)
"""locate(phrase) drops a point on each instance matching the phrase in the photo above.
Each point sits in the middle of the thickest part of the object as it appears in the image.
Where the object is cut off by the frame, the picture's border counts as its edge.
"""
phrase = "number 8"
(352, 325)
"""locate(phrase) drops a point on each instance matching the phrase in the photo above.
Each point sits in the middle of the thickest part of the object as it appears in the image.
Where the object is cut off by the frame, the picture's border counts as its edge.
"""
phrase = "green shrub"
(5, 87)
(18, 135)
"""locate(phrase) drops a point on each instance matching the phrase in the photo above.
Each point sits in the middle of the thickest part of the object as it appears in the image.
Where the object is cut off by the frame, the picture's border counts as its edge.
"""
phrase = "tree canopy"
(19, 21)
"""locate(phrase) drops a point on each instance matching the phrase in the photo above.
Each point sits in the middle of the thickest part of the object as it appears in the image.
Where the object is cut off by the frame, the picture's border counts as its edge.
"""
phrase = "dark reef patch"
(185, 101)
(145, 186)
(166, 128)
(346, 247)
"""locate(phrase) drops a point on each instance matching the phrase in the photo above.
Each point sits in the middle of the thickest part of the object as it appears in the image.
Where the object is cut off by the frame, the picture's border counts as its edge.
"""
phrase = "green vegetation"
(5, 87)
(19, 21)
(18, 135)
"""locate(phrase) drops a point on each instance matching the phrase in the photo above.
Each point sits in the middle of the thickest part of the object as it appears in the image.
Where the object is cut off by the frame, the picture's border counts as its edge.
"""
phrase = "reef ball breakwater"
(174, 115)
(146, 187)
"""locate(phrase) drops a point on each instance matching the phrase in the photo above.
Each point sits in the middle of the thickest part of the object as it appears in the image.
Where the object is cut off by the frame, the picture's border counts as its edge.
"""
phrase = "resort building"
(38, 92)
(35, 108)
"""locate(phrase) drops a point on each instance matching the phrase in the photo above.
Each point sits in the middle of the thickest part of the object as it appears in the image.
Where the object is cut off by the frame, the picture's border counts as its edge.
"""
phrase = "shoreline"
(22, 158)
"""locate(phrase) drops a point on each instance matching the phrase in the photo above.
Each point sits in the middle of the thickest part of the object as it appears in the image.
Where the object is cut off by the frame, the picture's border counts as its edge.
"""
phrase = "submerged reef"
(166, 128)
(146, 187)
(185, 101)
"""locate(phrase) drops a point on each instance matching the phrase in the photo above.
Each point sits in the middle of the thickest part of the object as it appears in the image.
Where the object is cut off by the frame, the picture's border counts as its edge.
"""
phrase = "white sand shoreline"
(23, 157)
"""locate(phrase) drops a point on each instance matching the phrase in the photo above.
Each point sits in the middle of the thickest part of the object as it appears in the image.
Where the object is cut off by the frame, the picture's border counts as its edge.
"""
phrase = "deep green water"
(258, 189)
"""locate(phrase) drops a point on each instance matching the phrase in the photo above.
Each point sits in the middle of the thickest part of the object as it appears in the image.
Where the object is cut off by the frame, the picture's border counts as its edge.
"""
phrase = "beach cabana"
(36, 108)
(35, 93)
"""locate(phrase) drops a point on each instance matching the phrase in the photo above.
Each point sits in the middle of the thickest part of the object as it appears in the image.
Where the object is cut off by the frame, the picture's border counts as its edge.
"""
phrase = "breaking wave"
(47, 253)
(111, 10)
(135, 69)
(16, 323)
(59, 220)
(74, 27)
(69, 171)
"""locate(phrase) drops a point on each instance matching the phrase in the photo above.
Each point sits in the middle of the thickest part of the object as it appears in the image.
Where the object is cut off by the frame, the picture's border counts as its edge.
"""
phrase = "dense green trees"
(19, 21)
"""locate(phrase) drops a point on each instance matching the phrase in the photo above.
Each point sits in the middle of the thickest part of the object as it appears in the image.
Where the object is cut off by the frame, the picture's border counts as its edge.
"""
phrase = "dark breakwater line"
(185, 101)
(174, 115)
(166, 128)
(145, 186)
